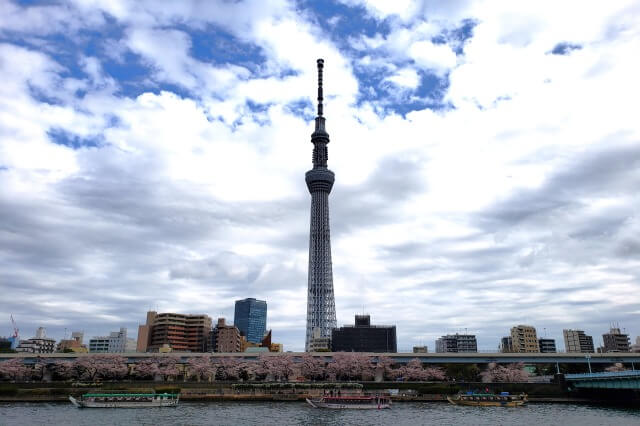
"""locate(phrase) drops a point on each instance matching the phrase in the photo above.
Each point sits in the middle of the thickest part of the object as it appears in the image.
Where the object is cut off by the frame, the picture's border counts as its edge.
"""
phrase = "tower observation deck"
(321, 306)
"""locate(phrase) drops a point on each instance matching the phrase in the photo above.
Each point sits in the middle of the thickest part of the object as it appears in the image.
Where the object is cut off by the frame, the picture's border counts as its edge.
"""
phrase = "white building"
(40, 344)
(115, 342)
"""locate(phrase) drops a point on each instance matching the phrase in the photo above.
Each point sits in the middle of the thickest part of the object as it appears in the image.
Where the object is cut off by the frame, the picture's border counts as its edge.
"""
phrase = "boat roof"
(129, 394)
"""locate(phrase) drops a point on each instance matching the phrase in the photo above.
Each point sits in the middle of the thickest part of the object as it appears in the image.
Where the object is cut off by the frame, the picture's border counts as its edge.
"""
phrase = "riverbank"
(261, 392)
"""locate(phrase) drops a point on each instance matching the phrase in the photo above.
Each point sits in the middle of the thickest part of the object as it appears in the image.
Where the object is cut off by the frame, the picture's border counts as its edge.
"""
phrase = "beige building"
(524, 339)
(180, 332)
(577, 341)
(227, 338)
(318, 343)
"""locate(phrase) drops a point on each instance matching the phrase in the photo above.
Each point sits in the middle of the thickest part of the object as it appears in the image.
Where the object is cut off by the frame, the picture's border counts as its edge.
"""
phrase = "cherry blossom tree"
(247, 370)
(434, 373)
(146, 369)
(312, 368)
(200, 368)
(92, 367)
(276, 367)
(14, 369)
(226, 368)
(415, 372)
(351, 366)
(513, 372)
(62, 370)
(168, 368)
(385, 363)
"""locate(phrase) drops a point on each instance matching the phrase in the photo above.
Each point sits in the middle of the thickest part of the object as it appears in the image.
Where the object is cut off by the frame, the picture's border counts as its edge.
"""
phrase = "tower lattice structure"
(321, 306)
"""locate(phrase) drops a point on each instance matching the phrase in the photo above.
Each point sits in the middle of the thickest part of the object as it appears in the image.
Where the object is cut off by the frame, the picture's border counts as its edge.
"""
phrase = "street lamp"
(588, 357)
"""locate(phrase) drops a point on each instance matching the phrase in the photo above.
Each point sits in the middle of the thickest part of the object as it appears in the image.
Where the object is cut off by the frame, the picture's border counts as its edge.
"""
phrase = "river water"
(298, 413)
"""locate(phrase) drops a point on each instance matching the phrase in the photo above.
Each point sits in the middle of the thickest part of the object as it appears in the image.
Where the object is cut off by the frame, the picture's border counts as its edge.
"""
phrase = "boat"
(361, 402)
(503, 399)
(125, 400)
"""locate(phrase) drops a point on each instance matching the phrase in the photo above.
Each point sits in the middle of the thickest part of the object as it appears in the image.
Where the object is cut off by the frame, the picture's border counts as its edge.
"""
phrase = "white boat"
(359, 402)
(125, 400)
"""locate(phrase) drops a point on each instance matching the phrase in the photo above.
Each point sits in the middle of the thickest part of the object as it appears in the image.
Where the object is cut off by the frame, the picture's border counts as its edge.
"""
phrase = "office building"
(524, 339)
(577, 341)
(115, 342)
(636, 347)
(99, 344)
(457, 343)
(364, 337)
(179, 332)
(615, 341)
(250, 318)
(420, 349)
(547, 345)
(321, 305)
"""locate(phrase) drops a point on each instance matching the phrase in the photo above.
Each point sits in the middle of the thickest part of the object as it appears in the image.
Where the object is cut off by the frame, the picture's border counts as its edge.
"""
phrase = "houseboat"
(503, 399)
(125, 400)
(361, 402)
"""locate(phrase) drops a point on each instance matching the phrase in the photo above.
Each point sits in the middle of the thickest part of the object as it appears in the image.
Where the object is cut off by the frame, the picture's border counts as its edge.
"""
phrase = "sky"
(487, 161)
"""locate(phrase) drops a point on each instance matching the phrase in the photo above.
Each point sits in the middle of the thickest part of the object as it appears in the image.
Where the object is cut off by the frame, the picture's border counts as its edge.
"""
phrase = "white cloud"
(525, 190)
(437, 57)
(406, 77)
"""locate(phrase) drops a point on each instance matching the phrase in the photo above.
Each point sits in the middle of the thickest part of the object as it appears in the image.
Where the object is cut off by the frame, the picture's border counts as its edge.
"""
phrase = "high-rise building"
(547, 345)
(457, 343)
(615, 341)
(321, 306)
(524, 339)
(251, 319)
(180, 332)
(577, 341)
(226, 338)
(364, 337)
(636, 347)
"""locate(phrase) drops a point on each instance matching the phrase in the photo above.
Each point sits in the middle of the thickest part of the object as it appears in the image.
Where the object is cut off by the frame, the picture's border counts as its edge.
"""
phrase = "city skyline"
(488, 158)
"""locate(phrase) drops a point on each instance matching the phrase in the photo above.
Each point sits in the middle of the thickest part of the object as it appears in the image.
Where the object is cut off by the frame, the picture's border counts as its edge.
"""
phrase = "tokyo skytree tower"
(321, 305)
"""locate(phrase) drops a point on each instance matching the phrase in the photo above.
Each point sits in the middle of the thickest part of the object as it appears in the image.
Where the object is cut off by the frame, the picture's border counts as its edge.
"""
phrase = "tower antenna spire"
(321, 306)
(320, 97)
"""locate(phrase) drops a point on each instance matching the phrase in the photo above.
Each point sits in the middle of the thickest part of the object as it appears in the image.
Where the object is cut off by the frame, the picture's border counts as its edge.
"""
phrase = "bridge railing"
(607, 374)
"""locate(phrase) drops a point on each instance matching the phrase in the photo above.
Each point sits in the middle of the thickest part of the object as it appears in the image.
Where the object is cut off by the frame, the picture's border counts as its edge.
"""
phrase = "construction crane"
(15, 339)
(15, 327)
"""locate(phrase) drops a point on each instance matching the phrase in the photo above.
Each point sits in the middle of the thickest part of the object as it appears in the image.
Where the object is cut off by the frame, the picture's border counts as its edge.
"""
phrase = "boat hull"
(510, 402)
(316, 403)
(123, 404)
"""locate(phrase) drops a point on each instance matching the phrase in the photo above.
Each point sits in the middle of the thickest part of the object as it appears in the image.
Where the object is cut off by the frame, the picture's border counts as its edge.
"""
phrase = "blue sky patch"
(564, 48)
(63, 137)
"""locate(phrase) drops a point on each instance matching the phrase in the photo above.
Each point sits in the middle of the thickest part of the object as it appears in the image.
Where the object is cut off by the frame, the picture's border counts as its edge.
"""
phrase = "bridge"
(629, 379)
(629, 358)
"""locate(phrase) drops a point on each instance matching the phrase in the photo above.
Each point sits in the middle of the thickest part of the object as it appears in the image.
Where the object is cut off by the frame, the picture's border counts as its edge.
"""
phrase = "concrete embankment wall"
(226, 391)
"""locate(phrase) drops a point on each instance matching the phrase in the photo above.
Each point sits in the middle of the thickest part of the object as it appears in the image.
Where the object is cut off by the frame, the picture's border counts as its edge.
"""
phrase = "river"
(297, 413)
